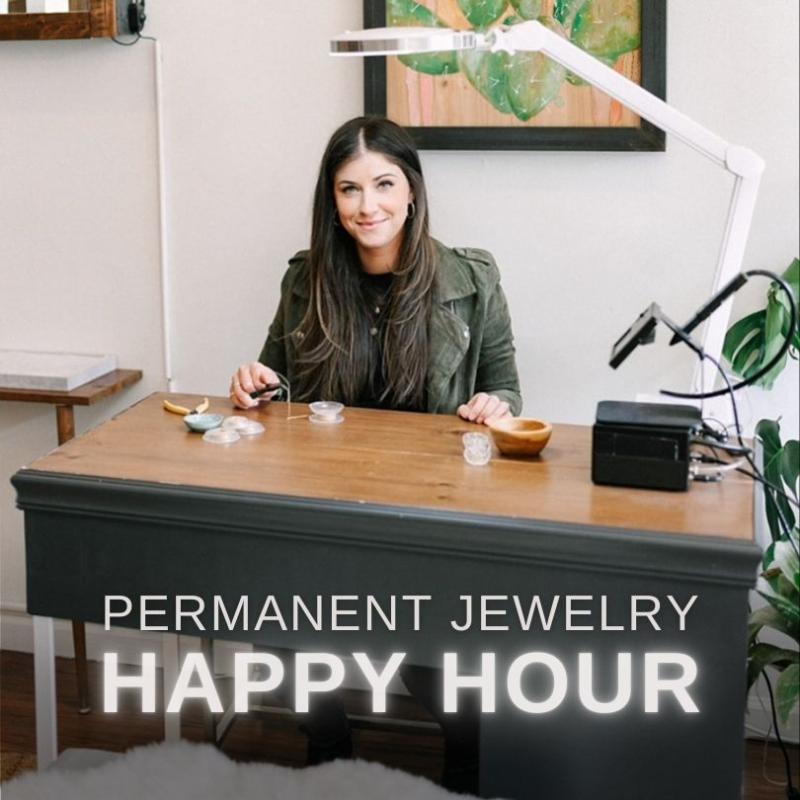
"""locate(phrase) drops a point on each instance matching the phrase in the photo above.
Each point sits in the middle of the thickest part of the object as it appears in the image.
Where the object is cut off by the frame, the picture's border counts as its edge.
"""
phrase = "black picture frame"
(646, 137)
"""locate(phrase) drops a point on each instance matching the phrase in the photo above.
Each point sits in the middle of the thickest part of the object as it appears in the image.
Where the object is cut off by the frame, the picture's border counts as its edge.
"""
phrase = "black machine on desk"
(643, 445)
(647, 445)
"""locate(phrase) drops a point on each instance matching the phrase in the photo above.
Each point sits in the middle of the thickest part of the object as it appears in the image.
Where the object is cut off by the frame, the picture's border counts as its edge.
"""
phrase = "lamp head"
(403, 41)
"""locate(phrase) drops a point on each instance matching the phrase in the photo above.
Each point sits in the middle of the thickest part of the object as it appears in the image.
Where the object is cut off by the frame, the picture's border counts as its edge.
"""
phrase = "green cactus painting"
(489, 89)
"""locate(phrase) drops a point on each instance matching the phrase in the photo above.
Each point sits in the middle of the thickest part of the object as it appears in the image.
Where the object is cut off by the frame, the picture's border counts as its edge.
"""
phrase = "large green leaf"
(482, 13)
(762, 655)
(487, 73)
(769, 433)
(533, 79)
(741, 333)
(776, 328)
(764, 617)
(743, 347)
(788, 562)
(410, 14)
(528, 9)
(789, 613)
(753, 342)
(781, 582)
(792, 277)
(787, 691)
(607, 28)
(771, 617)
(790, 465)
(772, 472)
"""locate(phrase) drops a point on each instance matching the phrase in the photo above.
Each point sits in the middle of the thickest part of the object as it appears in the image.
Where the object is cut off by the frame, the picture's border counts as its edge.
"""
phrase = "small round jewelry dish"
(200, 423)
(221, 436)
(477, 449)
(326, 412)
(243, 426)
(520, 436)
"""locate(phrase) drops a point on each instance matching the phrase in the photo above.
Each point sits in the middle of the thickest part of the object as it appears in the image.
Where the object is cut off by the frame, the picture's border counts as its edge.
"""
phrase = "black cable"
(769, 485)
(787, 528)
(728, 448)
(790, 790)
(721, 434)
(765, 369)
(738, 430)
(128, 44)
(730, 391)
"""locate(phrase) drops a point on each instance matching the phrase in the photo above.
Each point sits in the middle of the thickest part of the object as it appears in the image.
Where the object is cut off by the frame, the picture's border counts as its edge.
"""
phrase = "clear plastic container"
(243, 426)
(221, 436)
(477, 449)
(326, 412)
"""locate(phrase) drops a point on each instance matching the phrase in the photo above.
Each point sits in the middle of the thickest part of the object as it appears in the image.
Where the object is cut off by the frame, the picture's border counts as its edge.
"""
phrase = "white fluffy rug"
(185, 771)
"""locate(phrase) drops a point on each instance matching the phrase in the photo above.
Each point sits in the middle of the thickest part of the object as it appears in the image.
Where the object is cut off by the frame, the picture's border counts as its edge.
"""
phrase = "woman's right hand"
(250, 378)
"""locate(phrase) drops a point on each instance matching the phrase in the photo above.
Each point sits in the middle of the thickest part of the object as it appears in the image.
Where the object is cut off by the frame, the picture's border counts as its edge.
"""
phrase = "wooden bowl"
(520, 436)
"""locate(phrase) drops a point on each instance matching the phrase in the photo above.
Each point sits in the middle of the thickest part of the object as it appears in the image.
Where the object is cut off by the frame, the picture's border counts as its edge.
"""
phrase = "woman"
(379, 314)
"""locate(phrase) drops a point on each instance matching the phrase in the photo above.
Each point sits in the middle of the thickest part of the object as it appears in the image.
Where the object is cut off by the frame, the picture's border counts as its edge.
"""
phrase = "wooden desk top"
(393, 458)
(85, 395)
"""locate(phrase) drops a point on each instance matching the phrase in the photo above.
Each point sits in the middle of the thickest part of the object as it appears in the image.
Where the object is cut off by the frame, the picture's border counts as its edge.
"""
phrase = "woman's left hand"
(484, 408)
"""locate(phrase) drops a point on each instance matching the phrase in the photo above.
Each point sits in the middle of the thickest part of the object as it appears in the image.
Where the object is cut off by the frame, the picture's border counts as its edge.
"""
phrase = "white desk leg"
(44, 675)
(170, 656)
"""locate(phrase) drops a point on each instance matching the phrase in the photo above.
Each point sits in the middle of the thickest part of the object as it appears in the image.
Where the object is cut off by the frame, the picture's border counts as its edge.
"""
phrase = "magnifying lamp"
(532, 36)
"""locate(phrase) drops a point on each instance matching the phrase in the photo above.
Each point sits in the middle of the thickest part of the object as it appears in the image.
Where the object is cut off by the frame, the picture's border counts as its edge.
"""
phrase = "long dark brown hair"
(334, 354)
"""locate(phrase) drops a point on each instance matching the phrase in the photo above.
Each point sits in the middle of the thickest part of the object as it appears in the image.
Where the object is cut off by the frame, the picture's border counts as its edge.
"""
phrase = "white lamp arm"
(533, 36)
(745, 165)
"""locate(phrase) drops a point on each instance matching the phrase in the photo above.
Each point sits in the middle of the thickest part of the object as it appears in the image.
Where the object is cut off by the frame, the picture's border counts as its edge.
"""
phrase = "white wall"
(585, 240)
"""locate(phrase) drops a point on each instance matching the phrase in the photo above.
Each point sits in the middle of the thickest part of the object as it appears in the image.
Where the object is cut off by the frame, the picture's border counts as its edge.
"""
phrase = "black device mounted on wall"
(130, 16)
(643, 445)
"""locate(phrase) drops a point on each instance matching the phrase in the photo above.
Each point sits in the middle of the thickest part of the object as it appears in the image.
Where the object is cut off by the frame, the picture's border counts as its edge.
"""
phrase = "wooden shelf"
(85, 395)
(99, 21)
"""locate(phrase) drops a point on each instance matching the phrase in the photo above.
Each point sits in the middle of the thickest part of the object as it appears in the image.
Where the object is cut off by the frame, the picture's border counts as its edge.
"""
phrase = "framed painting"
(495, 101)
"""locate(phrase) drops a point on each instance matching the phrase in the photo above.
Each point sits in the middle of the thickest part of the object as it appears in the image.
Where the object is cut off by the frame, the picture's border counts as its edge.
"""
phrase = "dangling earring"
(412, 210)
(336, 223)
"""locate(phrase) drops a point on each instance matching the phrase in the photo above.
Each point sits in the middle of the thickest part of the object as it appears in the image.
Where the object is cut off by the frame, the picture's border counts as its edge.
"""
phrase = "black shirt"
(376, 290)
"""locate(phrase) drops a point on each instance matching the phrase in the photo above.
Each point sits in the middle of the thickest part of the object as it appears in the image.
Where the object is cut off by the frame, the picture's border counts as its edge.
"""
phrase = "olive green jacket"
(471, 346)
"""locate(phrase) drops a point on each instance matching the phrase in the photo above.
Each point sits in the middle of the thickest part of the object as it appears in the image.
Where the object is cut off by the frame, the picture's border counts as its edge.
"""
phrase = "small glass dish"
(326, 412)
(221, 436)
(477, 449)
(203, 422)
(243, 426)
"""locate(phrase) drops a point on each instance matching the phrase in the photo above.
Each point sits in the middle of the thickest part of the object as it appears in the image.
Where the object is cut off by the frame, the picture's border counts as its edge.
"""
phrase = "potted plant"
(751, 343)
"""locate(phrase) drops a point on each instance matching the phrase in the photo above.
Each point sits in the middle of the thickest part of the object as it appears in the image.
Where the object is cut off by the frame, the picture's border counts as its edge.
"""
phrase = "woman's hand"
(484, 408)
(250, 378)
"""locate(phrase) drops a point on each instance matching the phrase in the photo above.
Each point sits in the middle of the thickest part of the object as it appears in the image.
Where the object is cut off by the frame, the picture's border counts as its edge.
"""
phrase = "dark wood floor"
(271, 737)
